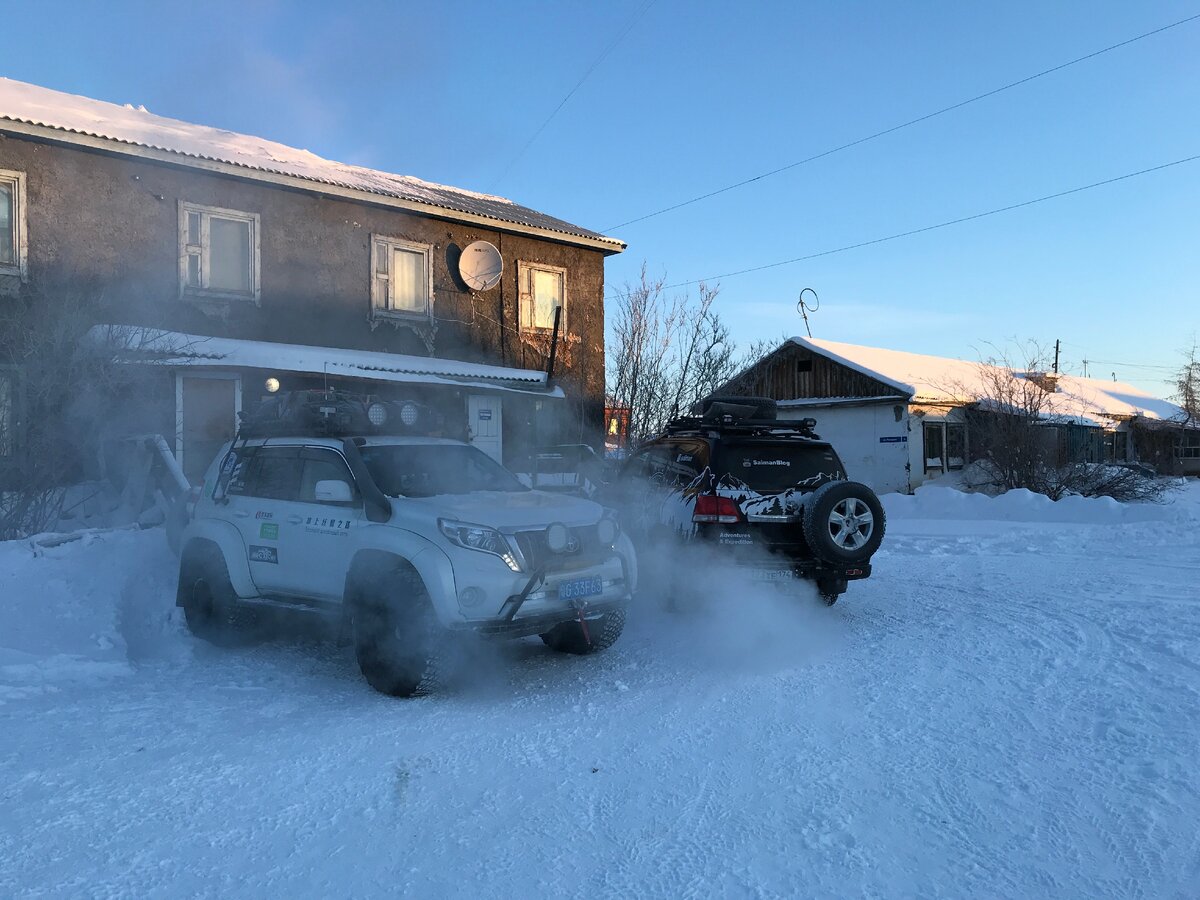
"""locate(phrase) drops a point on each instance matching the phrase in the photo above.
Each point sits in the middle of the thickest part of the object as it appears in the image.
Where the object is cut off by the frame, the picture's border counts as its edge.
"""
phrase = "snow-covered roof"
(191, 350)
(28, 108)
(941, 380)
(806, 402)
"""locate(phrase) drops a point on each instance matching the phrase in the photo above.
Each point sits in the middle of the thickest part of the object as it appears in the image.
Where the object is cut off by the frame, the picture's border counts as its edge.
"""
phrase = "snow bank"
(939, 502)
(84, 610)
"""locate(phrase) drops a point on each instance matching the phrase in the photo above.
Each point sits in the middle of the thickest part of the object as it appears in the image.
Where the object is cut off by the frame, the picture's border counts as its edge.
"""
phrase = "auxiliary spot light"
(409, 414)
(377, 413)
(272, 384)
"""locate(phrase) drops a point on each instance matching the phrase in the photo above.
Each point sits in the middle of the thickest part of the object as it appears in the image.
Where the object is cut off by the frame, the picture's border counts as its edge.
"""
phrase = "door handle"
(295, 520)
(241, 513)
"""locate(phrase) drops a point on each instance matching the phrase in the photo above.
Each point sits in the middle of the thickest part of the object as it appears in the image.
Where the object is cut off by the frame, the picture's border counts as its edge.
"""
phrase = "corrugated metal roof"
(135, 127)
(187, 350)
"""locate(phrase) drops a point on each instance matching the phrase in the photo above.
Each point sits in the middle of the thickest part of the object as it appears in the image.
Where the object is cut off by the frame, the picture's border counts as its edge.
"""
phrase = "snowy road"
(1006, 709)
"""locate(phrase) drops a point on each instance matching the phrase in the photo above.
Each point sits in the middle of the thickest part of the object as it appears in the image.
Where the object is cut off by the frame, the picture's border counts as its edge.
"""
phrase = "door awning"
(178, 350)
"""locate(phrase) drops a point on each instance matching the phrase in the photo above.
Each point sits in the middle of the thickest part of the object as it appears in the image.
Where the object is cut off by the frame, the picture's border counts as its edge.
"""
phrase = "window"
(1188, 444)
(543, 289)
(272, 473)
(945, 446)
(12, 223)
(956, 446)
(401, 277)
(218, 252)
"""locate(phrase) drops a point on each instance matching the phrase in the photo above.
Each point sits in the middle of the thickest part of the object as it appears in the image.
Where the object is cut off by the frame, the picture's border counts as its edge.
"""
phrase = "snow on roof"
(937, 379)
(176, 349)
(137, 127)
(804, 402)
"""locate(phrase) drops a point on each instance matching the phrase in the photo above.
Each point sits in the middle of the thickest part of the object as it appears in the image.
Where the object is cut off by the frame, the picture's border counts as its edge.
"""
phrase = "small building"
(898, 418)
(256, 266)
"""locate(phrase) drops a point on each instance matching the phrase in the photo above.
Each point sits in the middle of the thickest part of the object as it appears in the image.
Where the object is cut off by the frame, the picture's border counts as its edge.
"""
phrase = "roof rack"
(728, 425)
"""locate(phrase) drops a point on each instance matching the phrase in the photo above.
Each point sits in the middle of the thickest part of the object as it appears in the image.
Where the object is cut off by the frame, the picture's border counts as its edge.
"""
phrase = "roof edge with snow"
(179, 350)
(42, 113)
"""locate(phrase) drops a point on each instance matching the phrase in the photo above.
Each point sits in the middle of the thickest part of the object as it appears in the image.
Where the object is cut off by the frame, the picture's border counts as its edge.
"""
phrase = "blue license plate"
(580, 587)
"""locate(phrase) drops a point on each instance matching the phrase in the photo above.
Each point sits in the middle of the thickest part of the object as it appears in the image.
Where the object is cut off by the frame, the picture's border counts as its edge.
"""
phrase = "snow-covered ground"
(1010, 707)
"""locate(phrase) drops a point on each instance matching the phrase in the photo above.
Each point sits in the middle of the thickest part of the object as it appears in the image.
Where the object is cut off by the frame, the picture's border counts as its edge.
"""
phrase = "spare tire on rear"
(843, 522)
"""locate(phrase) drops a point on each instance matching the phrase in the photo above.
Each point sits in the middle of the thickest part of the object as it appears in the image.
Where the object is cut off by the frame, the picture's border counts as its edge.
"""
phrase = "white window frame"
(19, 267)
(381, 303)
(203, 251)
(525, 272)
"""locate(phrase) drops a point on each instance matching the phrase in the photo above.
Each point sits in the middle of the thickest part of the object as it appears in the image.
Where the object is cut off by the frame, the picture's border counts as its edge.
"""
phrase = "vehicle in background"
(766, 498)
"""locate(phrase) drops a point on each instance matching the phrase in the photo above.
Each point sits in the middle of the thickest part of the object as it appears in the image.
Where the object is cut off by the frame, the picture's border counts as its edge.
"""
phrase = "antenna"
(804, 308)
(481, 266)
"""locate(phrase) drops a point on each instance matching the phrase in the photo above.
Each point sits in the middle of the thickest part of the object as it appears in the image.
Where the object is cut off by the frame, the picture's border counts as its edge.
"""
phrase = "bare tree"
(66, 388)
(1186, 382)
(1023, 438)
(665, 353)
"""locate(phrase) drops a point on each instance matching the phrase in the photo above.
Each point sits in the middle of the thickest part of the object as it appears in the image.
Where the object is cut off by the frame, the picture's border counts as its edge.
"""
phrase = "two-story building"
(258, 266)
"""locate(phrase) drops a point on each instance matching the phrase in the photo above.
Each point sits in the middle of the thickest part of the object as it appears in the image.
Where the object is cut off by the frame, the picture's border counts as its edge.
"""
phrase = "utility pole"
(1056, 344)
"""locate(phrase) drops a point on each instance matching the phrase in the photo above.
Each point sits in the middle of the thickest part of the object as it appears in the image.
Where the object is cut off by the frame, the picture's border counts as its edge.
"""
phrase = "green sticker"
(268, 531)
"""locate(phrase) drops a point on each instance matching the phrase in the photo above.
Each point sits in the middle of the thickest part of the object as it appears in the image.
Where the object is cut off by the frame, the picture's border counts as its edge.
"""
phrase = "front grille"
(537, 554)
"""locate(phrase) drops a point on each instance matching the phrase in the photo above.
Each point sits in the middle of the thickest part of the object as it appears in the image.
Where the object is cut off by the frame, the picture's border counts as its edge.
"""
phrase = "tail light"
(711, 508)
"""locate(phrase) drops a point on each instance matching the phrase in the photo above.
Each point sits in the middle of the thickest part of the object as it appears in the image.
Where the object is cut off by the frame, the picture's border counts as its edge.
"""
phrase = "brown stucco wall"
(110, 222)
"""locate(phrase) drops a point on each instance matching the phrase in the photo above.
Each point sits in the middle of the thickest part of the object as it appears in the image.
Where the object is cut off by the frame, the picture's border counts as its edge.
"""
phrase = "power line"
(946, 224)
(1128, 365)
(895, 128)
(599, 59)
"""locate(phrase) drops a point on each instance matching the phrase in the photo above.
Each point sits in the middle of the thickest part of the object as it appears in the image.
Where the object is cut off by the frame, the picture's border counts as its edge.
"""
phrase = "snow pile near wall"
(948, 503)
(89, 609)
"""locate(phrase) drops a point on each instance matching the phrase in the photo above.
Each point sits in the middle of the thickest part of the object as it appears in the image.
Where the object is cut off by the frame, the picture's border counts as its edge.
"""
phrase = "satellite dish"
(481, 266)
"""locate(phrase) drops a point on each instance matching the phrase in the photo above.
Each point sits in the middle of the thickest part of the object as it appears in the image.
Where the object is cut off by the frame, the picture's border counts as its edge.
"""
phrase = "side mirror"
(333, 492)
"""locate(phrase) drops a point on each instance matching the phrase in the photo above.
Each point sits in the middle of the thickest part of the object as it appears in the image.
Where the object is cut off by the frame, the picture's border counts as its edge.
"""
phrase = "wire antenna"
(804, 308)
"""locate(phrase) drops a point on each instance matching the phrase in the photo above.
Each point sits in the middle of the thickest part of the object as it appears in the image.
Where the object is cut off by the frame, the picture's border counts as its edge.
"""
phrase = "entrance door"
(207, 416)
(484, 417)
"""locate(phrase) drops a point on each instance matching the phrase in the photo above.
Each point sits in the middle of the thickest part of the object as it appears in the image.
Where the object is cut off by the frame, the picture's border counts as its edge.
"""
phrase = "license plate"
(772, 575)
(580, 587)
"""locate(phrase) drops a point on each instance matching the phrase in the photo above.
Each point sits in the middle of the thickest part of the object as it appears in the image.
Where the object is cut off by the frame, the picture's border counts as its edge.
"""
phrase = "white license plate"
(772, 575)
(580, 587)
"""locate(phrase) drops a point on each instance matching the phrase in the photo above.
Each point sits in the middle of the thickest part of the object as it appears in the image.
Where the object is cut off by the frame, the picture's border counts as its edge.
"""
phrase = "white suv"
(401, 538)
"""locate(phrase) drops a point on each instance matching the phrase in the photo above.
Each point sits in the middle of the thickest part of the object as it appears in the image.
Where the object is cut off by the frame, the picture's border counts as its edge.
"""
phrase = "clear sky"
(694, 96)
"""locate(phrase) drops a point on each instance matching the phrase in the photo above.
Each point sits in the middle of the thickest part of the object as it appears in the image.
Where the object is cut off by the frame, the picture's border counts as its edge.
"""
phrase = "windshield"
(424, 470)
(771, 467)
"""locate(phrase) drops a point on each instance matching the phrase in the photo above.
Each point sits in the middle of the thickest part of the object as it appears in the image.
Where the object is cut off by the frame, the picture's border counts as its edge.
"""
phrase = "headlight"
(481, 538)
(608, 530)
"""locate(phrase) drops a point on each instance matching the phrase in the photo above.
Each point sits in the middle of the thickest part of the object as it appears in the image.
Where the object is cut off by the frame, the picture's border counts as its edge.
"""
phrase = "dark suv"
(741, 487)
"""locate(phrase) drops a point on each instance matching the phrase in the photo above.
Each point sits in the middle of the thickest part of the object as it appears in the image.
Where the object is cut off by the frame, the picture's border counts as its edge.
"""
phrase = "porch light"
(272, 384)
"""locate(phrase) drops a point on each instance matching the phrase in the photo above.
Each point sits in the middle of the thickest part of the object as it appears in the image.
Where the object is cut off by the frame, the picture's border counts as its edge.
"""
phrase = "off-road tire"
(820, 522)
(397, 635)
(569, 637)
(208, 599)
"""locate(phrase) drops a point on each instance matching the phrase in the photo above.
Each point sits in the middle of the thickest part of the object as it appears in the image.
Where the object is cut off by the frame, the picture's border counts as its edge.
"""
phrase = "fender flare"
(229, 541)
(432, 566)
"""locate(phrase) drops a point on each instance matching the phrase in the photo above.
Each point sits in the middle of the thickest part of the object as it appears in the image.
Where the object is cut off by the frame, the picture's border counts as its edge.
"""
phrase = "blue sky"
(698, 95)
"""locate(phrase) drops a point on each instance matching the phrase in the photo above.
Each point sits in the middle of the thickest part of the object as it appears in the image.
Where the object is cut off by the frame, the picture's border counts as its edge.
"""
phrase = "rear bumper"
(809, 568)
